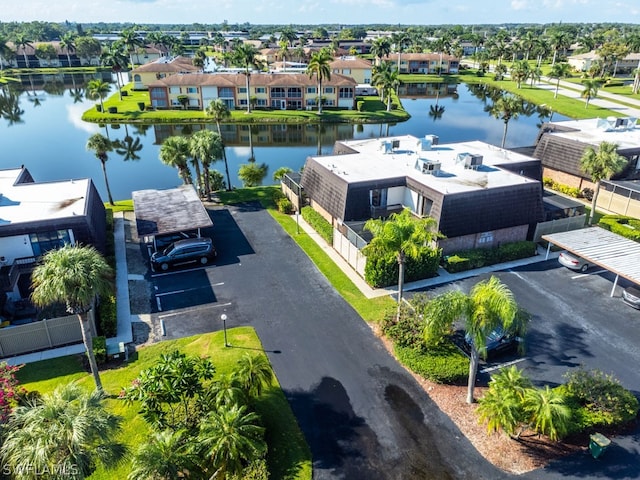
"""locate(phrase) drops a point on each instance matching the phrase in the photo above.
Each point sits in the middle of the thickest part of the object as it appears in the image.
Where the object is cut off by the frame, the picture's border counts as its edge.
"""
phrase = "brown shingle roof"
(259, 79)
(350, 62)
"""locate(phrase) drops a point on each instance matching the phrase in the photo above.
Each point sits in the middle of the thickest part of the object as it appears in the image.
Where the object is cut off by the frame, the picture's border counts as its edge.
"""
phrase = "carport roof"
(167, 211)
(603, 248)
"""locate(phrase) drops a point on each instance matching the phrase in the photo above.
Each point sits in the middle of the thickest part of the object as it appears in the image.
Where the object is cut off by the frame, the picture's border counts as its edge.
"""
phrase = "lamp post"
(223, 317)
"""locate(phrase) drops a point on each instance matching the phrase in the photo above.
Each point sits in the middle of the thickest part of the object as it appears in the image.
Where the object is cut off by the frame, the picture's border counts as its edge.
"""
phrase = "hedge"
(481, 257)
(318, 223)
(441, 364)
(627, 227)
(107, 316)
(381, 270)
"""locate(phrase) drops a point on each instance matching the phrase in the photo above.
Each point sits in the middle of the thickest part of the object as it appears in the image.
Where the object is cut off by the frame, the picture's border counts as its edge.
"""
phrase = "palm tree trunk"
(248, 93)
(106, 182)
(594, 201)
(400, 280)
(87, 338)
(198, 182)
(504, 134)
(319, 94)
(473, 370)
(555, 95)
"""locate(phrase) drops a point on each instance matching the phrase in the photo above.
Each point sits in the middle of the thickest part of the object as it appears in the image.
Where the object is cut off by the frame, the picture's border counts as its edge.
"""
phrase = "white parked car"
(573, 262)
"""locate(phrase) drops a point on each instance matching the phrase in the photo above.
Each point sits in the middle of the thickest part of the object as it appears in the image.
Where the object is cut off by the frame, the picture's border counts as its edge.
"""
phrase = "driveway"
(362, 414)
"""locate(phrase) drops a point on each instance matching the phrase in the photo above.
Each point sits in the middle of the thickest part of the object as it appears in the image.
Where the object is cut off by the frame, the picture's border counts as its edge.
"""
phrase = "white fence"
(559, 225)
(350, 252)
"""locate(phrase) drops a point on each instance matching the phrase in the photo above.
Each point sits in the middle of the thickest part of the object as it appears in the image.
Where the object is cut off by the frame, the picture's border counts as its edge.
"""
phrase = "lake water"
(50, 137)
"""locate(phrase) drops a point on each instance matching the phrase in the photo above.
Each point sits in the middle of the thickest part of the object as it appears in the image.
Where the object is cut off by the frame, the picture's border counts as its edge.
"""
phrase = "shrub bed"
(382, 270)
(480, 257)
(627, 227)
(100, 350)
(559, 187)
(318, 223)
(107, 316)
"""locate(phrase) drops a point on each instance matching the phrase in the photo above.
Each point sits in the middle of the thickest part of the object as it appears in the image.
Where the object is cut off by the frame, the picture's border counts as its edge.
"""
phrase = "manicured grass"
(289, 456)
(120, 206)
(240, 195)
(128, 111)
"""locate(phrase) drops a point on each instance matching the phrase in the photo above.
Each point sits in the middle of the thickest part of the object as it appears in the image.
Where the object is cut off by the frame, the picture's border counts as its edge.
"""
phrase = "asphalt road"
(363, 416)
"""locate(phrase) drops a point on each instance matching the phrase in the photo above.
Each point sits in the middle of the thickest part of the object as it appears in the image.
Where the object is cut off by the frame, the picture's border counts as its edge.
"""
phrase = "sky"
(314, 12)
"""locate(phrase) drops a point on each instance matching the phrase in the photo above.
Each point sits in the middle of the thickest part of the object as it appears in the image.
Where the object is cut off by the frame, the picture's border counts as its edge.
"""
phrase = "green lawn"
(289, 456)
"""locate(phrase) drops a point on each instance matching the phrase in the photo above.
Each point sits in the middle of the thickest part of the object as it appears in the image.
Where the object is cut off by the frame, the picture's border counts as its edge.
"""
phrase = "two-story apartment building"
(284, 91)
(357, 68)
(161, 67)
(435, 63)
(479, 194)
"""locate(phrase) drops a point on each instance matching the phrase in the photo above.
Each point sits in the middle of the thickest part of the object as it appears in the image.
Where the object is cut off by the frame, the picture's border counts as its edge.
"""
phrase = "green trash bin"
(598, 443)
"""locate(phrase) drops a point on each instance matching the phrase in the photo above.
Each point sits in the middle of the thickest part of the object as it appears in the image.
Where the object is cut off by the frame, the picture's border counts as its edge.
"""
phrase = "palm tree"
(21, 40)
(175, 153)
(67, 43)
(559, 40)
(559, 71)
(101, 146)
(520, 72)
(381, 47)
(489, 305)
(114, 56)
(75, 276)
(5, 51)
(165, 456)
(219, 110)
(252, 174)
(69, 432)
(385, 77)
(590, 90)
(506, 108)
(403, 235)
(230, 438)
(254, 373)
(245, 55)
(131, 40)
(98, 89)
(319, 66)
(549, 414)
(206, 146)
(601, 165)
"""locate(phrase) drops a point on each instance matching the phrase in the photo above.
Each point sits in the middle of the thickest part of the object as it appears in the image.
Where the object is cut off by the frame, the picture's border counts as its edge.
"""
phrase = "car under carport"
(603, 248)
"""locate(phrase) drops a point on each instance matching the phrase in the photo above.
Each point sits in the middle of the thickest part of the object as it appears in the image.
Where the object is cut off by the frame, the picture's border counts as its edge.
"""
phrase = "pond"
(44, 132)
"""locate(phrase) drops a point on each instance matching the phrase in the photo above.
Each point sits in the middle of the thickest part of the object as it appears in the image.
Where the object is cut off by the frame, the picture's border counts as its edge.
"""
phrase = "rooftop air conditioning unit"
(386, 147)
(424, 144)
(428, 167)
(621, 122)
(472, 160)
(434, 139)
(395, 144)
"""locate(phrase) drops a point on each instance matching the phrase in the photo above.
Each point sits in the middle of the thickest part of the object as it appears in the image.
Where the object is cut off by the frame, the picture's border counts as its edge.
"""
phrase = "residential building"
(284, 91)
(436, 63)
(161, 67)
(561, 145)
(582, 62)
(479, 194)
(357, 68)
(36, 217)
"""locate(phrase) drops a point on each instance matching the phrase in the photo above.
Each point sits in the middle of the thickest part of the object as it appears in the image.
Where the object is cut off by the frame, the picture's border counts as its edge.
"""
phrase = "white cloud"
(519, 4)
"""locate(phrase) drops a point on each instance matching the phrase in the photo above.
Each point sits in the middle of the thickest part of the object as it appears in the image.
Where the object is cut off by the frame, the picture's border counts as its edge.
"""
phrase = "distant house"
(283, 91)
(425, 63)
(161, 67)
(357, 68)
(36, 217)
(561, 145)
(479, 194)
(582, 62)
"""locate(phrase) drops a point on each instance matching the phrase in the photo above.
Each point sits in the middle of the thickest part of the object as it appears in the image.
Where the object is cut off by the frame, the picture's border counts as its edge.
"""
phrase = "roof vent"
(428, 167)
(470, 160)
(386, 146)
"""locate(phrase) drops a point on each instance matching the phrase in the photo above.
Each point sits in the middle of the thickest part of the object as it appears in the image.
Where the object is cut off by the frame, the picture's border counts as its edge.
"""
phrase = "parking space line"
(163, 274)
(158, 304)
(172, 292)
(587, 274)
(192, 309)
(502, 365)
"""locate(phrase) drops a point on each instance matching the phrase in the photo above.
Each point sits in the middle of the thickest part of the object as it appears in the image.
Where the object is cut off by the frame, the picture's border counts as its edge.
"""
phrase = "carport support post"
(548, 250)
(615, 284)
(223, 317)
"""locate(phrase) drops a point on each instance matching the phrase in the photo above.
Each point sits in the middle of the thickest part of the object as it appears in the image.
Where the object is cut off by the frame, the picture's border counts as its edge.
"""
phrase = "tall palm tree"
(559, 40)
(219, 110)
(385, 78)
(381, 47)
(245, 55)
(208, 147)
(175, 153)
(68, 432)
(506, 108)
(319, 66)
(132, 41)
(254, 373)
(489, 305)
(21, 40)
(75, 276)
(590, 90)
(520, 72)
(98, 89)
(559, 71)
(165, 456)
(230, 438)
(114, 56)
(67, 43)
(403, 235)
(601, 165)
(101, 146)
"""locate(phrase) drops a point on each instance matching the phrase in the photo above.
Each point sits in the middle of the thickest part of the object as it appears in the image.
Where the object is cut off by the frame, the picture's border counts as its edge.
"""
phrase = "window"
(261, 90)
(485, 238)
(328, 89)
(261, 102)
(294, 92)
(346, 92)
(192, 89)
(311, 90)
(378, 197)
(226, 92)
(278, 92)
(242, 90)
(136, 78)
(175, 90)
(42, 242)
(346, 71)
(425, 207)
